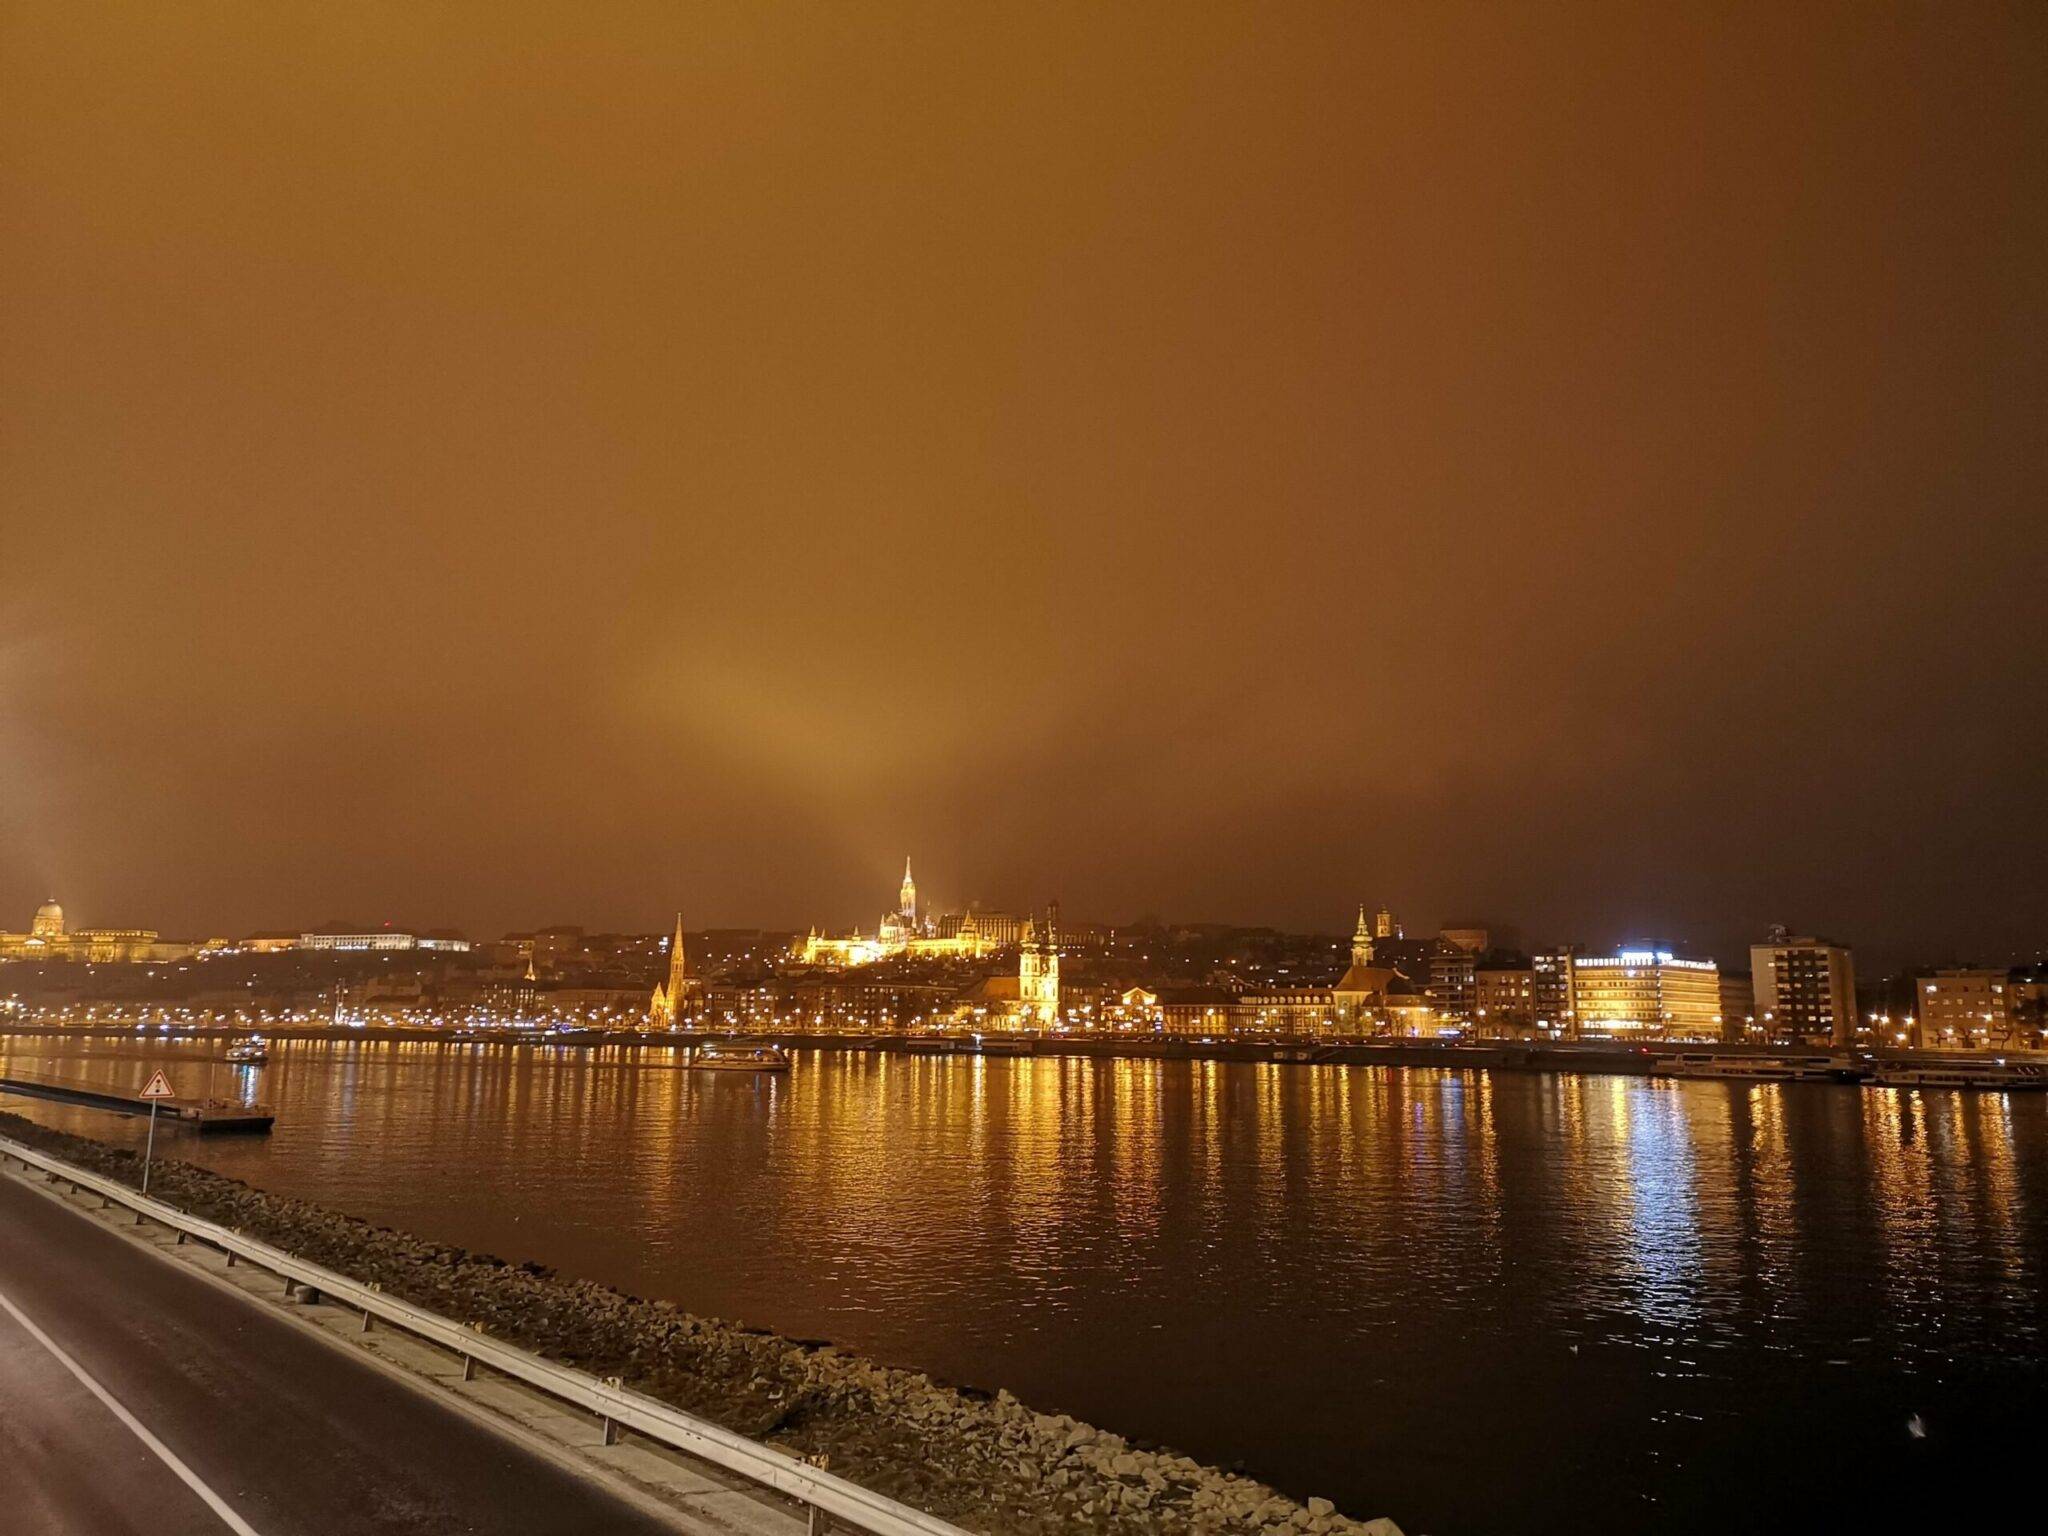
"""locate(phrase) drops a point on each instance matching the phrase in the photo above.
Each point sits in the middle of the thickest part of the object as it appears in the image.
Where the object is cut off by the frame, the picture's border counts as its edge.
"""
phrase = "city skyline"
(840, 943)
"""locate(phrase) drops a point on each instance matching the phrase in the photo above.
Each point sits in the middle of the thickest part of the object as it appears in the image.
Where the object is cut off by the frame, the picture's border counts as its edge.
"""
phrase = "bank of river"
(1485, 1303)
(990, 1464)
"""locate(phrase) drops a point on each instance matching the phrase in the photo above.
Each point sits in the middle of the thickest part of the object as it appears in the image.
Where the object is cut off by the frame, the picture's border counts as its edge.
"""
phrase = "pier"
(206, 1115)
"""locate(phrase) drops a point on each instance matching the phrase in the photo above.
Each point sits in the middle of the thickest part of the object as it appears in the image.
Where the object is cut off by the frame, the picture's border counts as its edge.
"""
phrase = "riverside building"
(1647, 993)
(1964, 1008)
(1803, 989)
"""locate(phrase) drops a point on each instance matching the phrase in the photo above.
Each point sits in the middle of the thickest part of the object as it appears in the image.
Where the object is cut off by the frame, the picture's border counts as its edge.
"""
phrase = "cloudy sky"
(1579, 466)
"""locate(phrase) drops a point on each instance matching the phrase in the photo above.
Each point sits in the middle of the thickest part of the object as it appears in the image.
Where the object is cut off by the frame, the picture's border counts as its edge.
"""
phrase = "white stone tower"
(1038, 973)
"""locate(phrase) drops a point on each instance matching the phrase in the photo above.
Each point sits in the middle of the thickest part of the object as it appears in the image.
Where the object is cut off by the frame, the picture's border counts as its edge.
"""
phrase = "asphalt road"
(279, 1433)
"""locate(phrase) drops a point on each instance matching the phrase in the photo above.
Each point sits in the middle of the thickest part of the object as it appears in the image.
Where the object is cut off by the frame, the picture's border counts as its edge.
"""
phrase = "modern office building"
(1646, 992)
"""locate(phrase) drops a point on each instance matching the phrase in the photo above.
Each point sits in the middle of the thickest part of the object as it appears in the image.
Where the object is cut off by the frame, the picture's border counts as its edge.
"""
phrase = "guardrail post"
(818, 1522)
(291, 1286)
(469, 1367)
(231, 1258)
(366, 1322)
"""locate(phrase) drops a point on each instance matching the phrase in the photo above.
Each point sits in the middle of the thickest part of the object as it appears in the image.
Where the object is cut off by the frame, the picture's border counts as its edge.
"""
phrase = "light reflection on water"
(1480, 1303)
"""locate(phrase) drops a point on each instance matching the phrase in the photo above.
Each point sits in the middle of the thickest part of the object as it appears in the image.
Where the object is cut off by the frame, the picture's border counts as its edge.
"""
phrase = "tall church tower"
(906, 906)
(1361, 940)
(668, 996)
(1038, 973)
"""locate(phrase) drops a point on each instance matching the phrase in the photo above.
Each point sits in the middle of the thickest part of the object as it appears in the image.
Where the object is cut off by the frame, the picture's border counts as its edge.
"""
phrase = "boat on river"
(250, 1051)
(1995, 1074)
(736, 1056)
(1791, 1067)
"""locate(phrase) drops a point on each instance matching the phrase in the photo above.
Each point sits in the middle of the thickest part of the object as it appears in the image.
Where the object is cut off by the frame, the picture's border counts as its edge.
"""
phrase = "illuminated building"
(1503, 997)
(49, 939)
(382, 940)
(1646, 992)
(1206, 1012)
(902, 933)
(1038, 974)
(997, 930)
(1286, 1011)
(1358, 1000)
(1964, 1008)
(1550, 990)
(1453, 963)
(669, 996)
(1803, 989)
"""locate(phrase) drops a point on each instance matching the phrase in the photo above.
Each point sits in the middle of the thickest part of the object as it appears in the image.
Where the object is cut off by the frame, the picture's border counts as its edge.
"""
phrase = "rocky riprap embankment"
(990, 1464)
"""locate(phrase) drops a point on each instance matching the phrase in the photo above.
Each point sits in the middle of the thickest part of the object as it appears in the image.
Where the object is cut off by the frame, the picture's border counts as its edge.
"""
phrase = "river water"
(1486, 1304)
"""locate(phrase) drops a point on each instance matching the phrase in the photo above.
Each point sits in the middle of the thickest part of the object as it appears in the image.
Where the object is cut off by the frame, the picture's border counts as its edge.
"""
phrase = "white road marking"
(162, 1452)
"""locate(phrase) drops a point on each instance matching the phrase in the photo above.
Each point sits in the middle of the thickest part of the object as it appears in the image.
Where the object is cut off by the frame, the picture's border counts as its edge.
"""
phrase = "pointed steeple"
(667, 1001)
(1361, 939)
(678, 963)
(906, 906)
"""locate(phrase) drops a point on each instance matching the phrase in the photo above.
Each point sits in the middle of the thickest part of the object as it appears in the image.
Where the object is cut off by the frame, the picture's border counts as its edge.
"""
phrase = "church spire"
(667, 1001)
(906, 906)
(1361, 939)
(678, 963)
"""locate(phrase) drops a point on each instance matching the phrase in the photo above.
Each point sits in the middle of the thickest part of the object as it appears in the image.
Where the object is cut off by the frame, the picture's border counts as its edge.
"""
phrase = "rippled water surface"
(1479, 1303)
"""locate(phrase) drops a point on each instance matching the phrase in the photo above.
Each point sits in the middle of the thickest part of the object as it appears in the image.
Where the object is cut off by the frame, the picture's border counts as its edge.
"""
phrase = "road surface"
(206, 1415)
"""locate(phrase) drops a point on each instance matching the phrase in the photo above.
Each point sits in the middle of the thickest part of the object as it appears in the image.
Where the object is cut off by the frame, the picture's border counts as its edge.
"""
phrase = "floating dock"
(208, 1116)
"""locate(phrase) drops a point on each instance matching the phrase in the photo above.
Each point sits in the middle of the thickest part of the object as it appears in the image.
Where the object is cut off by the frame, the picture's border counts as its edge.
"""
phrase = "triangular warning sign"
(158, 1086)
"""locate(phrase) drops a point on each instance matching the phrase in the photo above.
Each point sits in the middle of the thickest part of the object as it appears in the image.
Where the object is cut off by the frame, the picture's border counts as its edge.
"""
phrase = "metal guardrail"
(819, 1491)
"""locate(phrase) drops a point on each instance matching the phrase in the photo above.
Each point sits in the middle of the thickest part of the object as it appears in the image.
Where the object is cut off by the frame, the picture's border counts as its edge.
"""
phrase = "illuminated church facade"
(906, 932)
(673, 994)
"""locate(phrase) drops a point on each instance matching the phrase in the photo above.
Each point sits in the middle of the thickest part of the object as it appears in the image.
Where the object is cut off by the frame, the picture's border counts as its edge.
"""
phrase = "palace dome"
(49, 921)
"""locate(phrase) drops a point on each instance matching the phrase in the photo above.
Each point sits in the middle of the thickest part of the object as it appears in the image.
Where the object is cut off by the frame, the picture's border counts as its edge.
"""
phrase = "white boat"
(1772, 1069)
(249, 1052)
(1997, 1074)
(733, 1056)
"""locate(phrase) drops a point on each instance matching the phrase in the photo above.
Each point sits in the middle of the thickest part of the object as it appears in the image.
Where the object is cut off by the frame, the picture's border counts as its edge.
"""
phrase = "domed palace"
(48, 939)
(49, 921)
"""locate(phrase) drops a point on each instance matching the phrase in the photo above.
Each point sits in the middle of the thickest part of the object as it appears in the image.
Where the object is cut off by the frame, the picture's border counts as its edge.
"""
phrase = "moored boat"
(738, 1056)
(1783, 1068)
(250, 1051)
(1996, 1074)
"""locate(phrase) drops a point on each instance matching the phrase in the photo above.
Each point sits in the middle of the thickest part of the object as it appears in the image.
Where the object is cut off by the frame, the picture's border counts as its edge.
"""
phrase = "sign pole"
(158, 1087)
